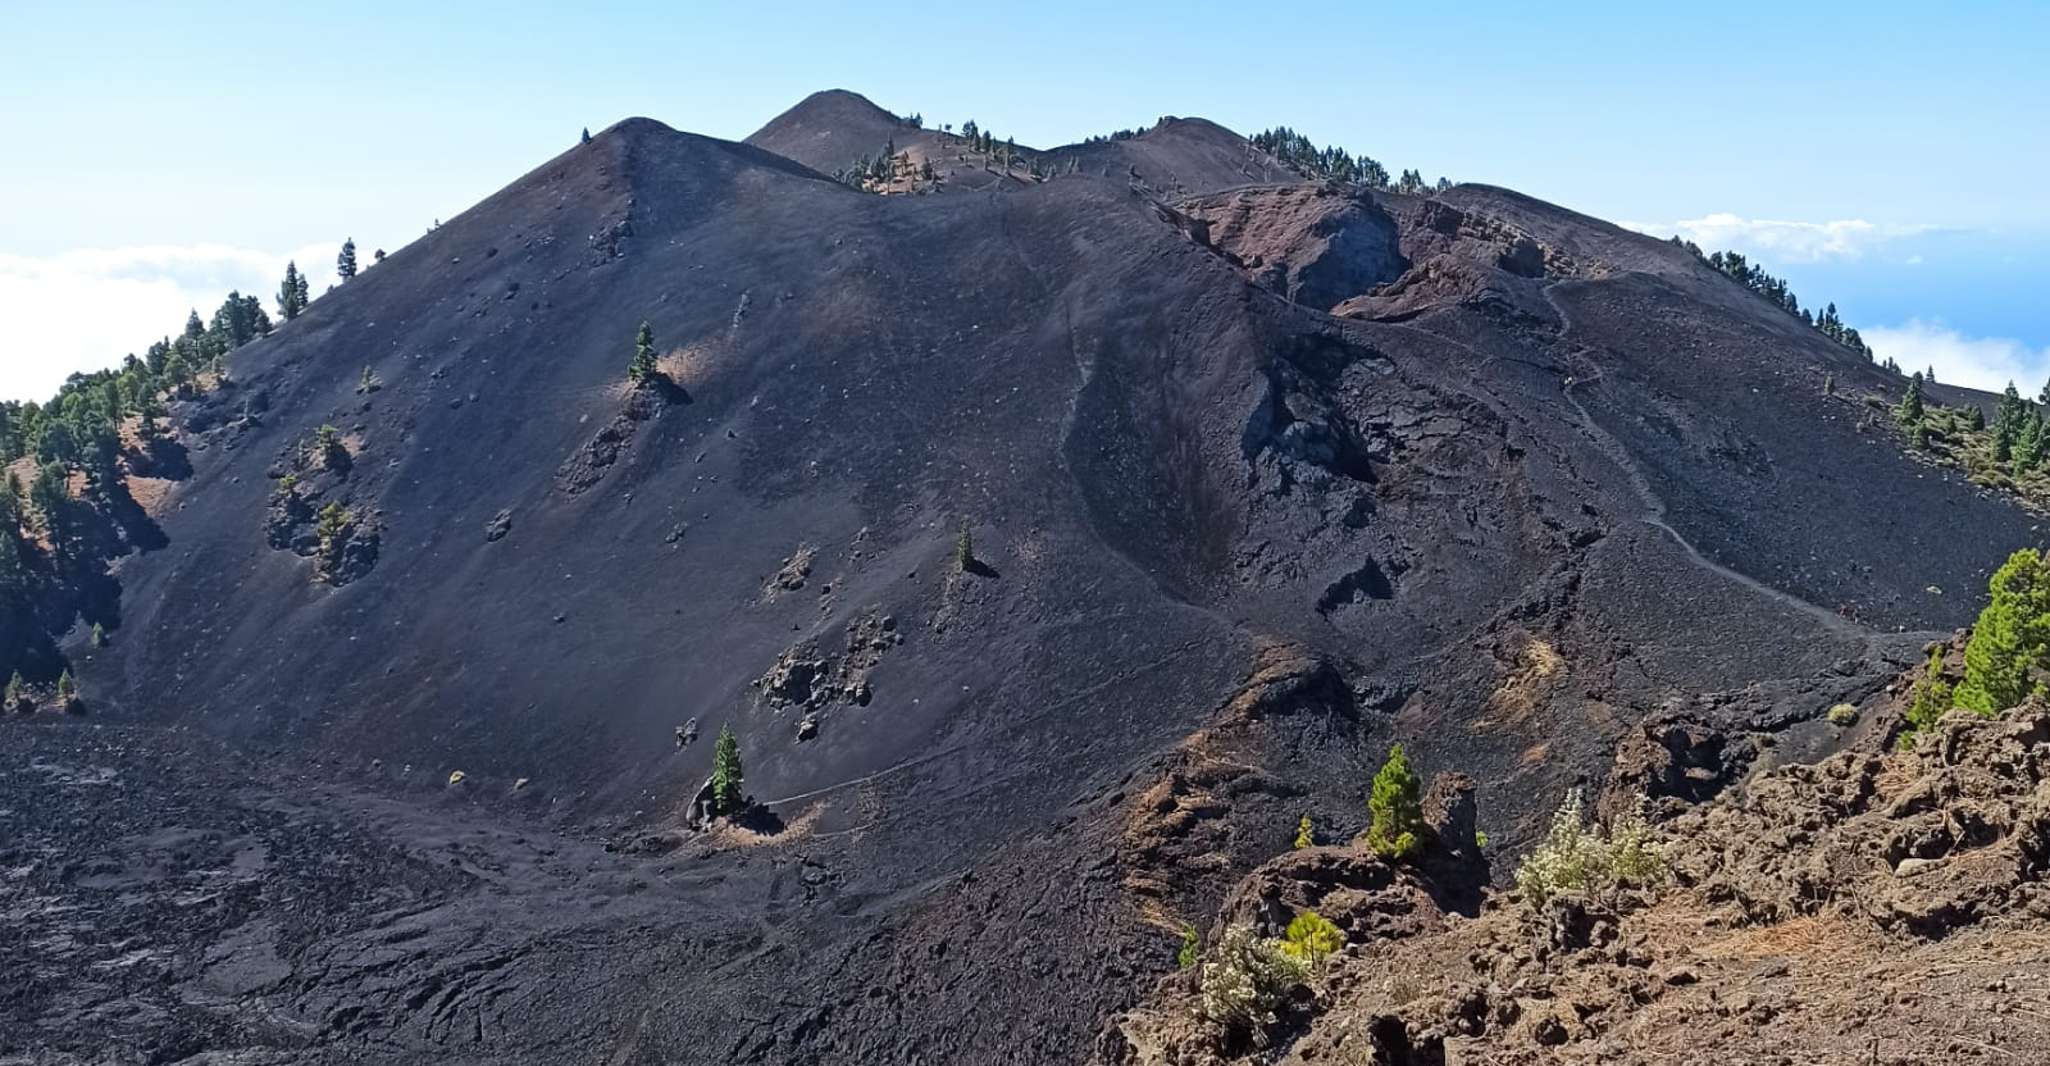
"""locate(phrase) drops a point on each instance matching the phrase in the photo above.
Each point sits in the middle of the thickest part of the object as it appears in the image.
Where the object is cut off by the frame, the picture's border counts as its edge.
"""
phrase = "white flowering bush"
(1579, 858)
(1635, 856)
(1246, 977)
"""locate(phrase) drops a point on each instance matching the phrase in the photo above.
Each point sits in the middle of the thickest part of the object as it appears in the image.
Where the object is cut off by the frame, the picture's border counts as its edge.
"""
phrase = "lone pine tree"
(345, 263)
(332, 532)
(728, 779)
(1910, 411)
(1396, 806)
(642, 366)
(292, 293)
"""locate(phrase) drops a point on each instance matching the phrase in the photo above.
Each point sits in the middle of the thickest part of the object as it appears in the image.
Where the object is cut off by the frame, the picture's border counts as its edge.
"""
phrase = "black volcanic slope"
(829, 129)
(1514, 481)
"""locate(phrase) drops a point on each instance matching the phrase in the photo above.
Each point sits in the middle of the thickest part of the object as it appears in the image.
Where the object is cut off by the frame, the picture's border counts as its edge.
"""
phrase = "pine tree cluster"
(1332, 163)
(1750, 275)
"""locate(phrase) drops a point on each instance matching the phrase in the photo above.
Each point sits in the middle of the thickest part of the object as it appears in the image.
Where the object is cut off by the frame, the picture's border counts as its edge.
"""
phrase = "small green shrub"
(1191, 951)
(1305, 834)
(1843, 714)
(1312, 938)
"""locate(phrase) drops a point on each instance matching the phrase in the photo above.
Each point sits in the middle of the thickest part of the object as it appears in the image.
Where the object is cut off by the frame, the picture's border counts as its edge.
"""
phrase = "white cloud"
(1978, 362)
(84, 309)
(1781, 241)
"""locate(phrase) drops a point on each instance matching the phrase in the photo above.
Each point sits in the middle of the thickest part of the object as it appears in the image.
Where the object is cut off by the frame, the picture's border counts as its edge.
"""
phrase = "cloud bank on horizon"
(1918, 343)
(1781, 240)
(1988, 363)
(83, 310)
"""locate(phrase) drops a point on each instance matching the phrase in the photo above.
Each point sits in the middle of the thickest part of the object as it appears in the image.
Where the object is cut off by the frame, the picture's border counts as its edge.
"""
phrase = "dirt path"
(1655, 508)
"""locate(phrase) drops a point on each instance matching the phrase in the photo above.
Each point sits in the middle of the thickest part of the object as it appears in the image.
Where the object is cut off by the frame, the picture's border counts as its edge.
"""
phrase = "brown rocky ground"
(1877, 906)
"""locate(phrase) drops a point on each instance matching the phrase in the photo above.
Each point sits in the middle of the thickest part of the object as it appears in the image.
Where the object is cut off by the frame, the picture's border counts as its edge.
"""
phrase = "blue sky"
(1888, 157)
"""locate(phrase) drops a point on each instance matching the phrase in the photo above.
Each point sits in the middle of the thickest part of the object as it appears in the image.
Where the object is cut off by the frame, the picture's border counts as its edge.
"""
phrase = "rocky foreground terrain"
(1054, 531)
(1878, 906)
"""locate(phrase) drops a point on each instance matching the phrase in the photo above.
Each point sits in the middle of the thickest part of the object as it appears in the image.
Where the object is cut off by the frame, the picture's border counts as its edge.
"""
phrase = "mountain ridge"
(1052, 547)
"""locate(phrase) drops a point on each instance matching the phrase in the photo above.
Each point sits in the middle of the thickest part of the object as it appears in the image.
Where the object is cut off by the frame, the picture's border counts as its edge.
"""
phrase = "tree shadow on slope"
(126, 526)
(162, 458)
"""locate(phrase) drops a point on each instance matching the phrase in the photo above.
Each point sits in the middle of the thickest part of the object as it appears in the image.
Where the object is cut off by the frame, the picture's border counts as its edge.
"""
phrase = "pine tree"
(1829, 384)
(2008, 415)
(49, 496)
(642, 366)
(2029, 443)
(587, 136)
(1910, 410)
(332, 532)
(729, 794)
(2011, 637)
(99, 636)
(1396, 806)
(1305, 834)
(345, 263)
(964, 548)
(292, 293)
(328, 452)
(17, 691)
(1975, 418)
(377, 256)
(66, 691)
(1931, 696)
